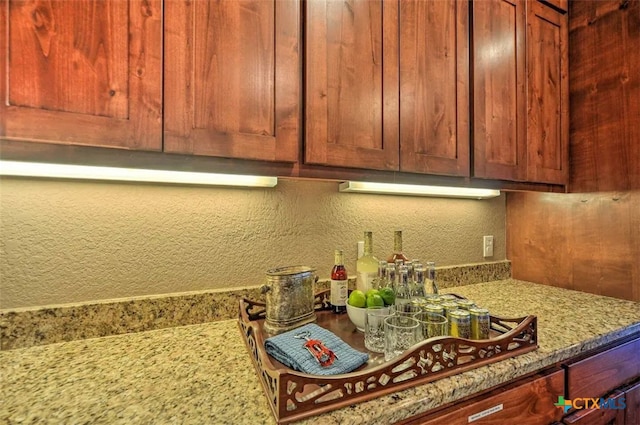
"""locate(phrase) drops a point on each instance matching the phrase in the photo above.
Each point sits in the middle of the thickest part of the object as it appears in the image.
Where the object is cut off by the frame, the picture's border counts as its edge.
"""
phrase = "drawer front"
(603, 372)
(530, 402)
(599, 416)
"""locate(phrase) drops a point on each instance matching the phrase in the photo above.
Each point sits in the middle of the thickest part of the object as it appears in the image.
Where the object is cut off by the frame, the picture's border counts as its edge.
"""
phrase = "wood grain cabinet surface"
(232, 78)
(529, 401)
(387, 85)
(520, 91)
(605, 95)
(82, 72)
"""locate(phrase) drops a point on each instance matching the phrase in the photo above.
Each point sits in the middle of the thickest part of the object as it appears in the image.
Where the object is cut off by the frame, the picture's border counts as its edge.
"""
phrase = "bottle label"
(364, 281)
(339, 292)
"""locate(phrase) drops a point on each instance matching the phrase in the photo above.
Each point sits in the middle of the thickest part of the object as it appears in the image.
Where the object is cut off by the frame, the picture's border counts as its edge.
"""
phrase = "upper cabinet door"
(352, 83)
(434, 87)
(499, 89)
(548, 94)
(232, 78)
(82, 72)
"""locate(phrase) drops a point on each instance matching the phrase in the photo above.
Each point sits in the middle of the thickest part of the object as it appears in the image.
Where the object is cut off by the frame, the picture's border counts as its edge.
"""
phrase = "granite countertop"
(203, 373)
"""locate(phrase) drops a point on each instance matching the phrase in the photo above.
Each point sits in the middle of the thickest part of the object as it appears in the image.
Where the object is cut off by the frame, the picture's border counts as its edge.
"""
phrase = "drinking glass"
(400, 333)
(374, 328)
(407, 309)
(432, 324)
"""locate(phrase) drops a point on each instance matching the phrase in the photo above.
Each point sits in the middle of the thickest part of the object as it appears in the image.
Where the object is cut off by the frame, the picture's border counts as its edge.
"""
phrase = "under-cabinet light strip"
(87, 172)
(418, 190)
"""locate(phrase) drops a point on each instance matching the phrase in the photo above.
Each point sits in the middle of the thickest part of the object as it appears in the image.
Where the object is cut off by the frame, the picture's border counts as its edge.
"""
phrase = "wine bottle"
(367, 265)
(397, 249)
(339, 280)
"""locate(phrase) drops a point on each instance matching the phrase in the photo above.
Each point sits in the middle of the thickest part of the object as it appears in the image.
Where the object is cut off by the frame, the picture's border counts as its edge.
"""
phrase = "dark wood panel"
(434, 87)
(587, 242)
(232, 79)
(528, 401)
(499, 124)
(82, 72)
(548, 94)
(352, 84)
(600, 374)
(605, 95)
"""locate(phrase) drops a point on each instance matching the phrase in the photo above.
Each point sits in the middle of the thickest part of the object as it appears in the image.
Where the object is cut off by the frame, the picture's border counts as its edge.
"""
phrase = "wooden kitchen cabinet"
(232, 78)
(547, 94)
(499, 89)
(434, 87)
(387, 85)
(82, 72)
(529, 401)
(520, 91)
(352, 84)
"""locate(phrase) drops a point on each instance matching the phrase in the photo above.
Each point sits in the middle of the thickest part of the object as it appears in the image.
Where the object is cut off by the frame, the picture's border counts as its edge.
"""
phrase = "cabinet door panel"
(232, 85)
(499, 125)
(352, 83)
(548, 94)
(434, 75)
(82, 72)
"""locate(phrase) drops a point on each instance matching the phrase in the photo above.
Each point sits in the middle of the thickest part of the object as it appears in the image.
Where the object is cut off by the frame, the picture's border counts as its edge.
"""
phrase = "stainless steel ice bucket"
(289, 293)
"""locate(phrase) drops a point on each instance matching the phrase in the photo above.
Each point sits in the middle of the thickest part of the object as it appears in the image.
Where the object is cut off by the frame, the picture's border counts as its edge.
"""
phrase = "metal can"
(465, 304)
(434, 299)
(448, 297)
(459, 323)
(432, 309)
(480, 323)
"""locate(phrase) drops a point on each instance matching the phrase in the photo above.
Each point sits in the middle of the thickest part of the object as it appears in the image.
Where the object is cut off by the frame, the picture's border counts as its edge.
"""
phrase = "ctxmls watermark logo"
(590, 403)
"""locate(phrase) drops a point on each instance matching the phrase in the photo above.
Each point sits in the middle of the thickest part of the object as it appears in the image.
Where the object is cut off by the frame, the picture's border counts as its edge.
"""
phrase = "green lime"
(375, 300)
(388, 296)
(371, 292)
(357, 298)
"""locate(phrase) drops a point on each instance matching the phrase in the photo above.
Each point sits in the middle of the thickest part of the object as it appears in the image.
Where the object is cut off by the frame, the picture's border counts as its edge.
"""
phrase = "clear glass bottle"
(367, 265)
(417, 285)
(430, 286)
(390, 276)
(339, 280)
(403, 291)
(397, 249)
(381, 280)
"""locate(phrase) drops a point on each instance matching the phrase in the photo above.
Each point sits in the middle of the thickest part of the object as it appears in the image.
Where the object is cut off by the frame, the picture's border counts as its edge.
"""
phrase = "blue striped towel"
(291, 351)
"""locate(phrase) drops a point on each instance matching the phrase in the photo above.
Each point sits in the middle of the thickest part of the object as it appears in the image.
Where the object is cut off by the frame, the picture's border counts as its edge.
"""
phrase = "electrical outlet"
(360, 249)
(487, 243)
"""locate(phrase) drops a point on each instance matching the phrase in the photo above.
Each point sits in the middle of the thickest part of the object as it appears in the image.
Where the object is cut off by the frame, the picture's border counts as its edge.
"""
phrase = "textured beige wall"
(68, 242)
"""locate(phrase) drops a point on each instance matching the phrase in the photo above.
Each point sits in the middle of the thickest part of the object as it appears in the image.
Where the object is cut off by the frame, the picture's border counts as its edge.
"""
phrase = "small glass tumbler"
(400, 334)
(407, 309)
(374, 328)
(432, 324)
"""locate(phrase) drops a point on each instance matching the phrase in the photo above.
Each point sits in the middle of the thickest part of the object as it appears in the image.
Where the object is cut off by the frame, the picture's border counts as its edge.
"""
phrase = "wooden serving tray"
(295, 395)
